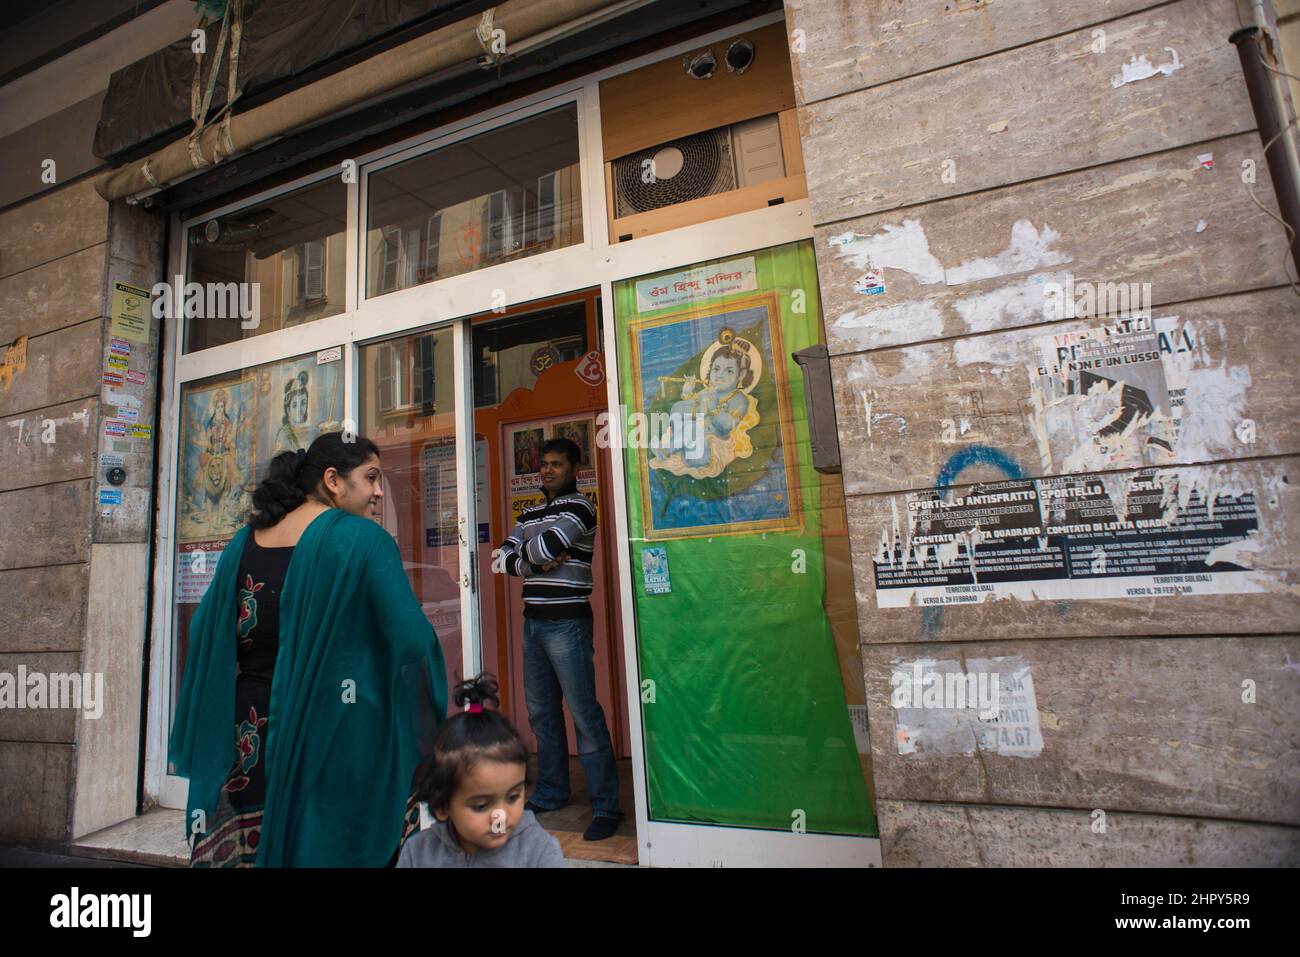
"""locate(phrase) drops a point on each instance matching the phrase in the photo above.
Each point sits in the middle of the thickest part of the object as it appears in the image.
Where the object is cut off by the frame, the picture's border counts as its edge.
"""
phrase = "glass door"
(752, 696)
(410, 407)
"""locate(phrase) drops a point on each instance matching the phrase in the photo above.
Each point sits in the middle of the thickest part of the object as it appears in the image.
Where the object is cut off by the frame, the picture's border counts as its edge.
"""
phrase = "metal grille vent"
(706, 168)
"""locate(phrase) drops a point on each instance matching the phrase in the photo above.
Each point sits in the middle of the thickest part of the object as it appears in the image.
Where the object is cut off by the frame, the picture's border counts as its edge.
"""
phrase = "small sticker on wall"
(115, 427)
(654, 569)
(110, 496)
(134, 377)
(113, 378)
(870, 283)
(128, 415)
(141, 431)
(329, 355)
(1206, 160)
(110, 460)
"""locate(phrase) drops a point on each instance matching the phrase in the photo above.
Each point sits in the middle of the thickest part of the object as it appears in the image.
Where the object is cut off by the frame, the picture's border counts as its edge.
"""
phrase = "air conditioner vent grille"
(706, 168)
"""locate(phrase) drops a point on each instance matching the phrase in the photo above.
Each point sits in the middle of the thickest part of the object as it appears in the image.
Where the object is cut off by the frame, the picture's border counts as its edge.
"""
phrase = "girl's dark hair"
(293, 474)
(467, 738)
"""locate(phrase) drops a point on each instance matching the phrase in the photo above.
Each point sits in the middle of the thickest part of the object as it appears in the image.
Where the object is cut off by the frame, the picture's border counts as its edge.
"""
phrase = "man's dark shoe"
(601, 827)
(538, 809)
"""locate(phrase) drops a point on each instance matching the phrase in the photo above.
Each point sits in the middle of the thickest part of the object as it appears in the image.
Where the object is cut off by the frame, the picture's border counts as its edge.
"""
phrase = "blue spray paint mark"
(958, 462)
(963, 459)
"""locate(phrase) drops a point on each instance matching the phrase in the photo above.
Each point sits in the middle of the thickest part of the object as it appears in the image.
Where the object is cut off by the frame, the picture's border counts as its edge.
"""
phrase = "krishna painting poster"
(716, 453)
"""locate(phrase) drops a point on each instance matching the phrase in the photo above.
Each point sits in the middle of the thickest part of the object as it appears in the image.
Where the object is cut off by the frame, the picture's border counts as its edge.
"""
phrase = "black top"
(261, 579)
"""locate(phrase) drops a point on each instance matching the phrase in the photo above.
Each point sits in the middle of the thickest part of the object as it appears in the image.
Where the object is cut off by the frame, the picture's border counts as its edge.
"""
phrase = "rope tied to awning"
(484, 33)
(232, 26)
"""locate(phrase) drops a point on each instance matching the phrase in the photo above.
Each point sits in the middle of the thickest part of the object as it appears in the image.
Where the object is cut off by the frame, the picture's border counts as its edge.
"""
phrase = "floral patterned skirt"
(232, 837)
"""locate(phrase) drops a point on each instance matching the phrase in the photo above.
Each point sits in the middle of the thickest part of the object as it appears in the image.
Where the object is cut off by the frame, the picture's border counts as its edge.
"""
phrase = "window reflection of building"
(504, 349)
(291, 246)
(404, 378)
(310, 284)
(452, 211)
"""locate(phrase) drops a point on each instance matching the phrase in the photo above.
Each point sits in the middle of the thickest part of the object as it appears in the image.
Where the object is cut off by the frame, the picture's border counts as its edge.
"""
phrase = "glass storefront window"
(511, 353)
(408, 409)
(503, 195)
(286, 255)
(231, 426)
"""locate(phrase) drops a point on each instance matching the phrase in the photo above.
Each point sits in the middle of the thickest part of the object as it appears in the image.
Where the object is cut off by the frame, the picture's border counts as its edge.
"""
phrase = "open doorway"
(539, 373)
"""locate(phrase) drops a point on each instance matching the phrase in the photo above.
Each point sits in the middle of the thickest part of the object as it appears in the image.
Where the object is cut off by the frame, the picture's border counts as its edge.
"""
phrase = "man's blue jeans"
(559, 659)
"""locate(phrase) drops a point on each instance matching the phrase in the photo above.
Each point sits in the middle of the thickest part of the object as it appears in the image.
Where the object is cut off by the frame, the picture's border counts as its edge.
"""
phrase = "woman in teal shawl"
(334, 704)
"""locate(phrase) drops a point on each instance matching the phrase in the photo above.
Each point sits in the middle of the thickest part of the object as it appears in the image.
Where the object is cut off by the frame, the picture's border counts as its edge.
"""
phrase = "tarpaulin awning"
(279, 41)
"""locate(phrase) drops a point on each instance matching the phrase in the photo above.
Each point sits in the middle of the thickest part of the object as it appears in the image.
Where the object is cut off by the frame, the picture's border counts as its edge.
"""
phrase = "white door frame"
(453, 301)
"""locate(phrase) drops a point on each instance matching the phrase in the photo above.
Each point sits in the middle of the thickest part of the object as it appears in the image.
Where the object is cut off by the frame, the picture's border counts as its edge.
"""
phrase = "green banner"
(742, 700)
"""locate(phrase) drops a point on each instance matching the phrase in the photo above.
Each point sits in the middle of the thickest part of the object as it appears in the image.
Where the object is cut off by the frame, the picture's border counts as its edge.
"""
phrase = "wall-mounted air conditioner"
(702, 164)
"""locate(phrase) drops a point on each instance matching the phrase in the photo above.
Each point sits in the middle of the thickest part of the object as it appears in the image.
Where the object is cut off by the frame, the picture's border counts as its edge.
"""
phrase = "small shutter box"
(819, 399)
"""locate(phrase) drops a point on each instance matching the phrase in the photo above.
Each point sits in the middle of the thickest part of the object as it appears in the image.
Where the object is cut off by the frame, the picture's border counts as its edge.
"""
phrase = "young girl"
(474, 784)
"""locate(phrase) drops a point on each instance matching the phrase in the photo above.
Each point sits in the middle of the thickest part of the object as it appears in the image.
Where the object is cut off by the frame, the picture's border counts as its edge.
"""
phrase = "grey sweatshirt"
(436, 846)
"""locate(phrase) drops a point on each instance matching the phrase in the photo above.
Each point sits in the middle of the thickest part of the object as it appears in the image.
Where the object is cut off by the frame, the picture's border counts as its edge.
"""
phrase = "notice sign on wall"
(130, 313)
(196, 564)
(1080, 536)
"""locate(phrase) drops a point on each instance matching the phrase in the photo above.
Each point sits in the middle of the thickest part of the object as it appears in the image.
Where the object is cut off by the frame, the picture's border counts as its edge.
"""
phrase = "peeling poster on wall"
(1147, 534)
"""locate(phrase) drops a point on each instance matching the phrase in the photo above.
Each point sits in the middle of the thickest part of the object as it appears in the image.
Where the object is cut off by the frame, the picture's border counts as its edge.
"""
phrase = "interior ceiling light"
(702, 65)
(740, 56)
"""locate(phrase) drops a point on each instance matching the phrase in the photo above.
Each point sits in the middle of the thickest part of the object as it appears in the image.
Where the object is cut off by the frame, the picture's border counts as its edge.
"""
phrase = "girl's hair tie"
(475, 707)
(300, 457)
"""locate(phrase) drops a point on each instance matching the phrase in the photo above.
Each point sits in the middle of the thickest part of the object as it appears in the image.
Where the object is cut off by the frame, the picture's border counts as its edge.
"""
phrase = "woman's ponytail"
(279, 493)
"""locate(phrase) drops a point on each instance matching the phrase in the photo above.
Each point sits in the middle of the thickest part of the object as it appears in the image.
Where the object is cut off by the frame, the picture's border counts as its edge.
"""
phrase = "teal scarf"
(358, 691)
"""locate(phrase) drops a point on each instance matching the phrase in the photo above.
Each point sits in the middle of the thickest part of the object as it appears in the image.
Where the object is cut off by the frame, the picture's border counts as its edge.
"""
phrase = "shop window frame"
(452, 302)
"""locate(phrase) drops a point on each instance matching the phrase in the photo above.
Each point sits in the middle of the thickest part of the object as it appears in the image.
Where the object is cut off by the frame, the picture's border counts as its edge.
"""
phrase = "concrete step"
(155, 838)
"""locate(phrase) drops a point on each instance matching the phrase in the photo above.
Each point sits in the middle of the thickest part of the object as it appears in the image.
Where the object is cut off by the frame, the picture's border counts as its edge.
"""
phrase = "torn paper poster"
(1140, 68)
(1133, 393)
(1147, 534)
(934, 723)
(1101, 399)
(869, 283)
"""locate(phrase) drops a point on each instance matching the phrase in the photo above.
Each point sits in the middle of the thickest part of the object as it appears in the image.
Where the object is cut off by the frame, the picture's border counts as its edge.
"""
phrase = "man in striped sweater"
(551, 548)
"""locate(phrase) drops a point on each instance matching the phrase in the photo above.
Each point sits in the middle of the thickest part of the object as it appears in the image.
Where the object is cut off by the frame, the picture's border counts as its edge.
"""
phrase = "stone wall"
(967, 164)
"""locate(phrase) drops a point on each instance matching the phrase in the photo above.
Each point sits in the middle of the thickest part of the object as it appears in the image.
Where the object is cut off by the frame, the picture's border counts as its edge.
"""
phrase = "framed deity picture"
(713, 427)
(218, 457)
